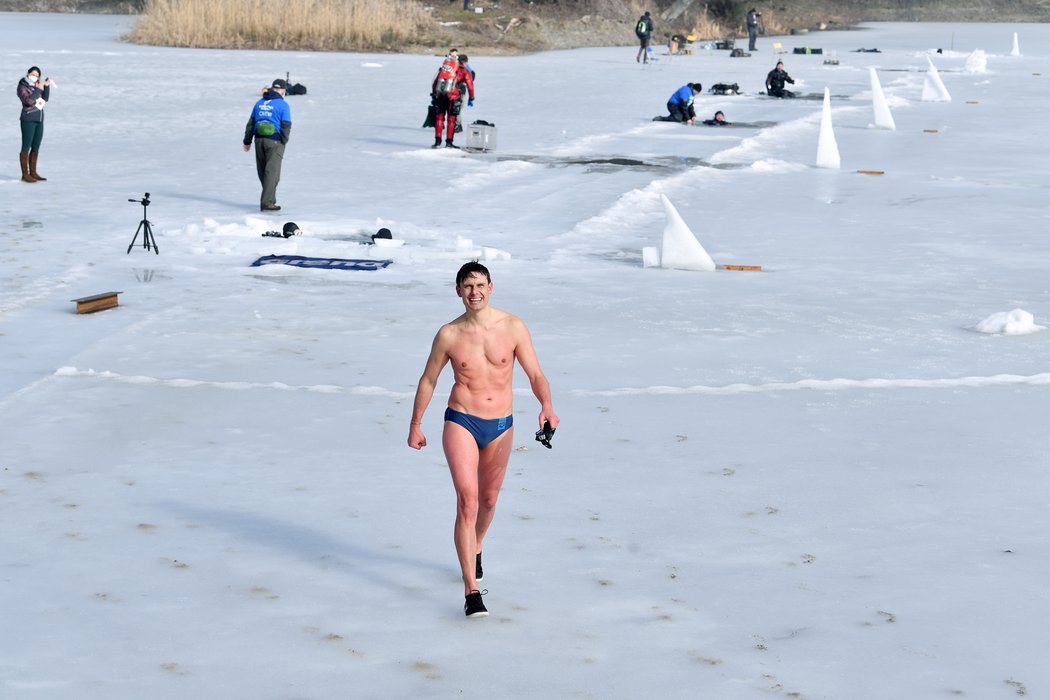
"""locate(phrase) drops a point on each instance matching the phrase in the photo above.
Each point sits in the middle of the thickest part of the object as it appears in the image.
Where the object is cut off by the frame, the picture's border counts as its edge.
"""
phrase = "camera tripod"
(144, 228)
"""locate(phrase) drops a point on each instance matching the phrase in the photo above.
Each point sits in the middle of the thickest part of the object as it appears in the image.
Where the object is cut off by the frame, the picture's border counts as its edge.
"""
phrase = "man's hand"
(416, 439)
(470, 102)
(247, 147)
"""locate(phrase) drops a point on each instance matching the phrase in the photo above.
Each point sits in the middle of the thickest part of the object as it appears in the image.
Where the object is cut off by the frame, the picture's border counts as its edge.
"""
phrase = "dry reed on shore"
(319, 25)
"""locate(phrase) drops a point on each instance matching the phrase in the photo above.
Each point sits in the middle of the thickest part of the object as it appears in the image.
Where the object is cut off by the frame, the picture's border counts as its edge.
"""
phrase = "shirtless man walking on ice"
(482, 345)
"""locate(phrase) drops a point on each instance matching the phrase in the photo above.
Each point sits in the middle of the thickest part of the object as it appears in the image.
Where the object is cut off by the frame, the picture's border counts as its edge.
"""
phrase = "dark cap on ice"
(280, 83)
(697, 86)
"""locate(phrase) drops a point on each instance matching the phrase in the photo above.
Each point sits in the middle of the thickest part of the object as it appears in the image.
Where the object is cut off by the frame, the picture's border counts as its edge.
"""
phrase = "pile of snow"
(976, 62)
(1016, 322)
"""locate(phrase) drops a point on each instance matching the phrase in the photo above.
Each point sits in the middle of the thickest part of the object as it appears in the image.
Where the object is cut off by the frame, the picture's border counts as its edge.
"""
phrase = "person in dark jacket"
(464, 61)
(270, 125)
(33, 93)
(680, 106)
(643, 30)
(775, 82)
(752, 28)
(718, 120)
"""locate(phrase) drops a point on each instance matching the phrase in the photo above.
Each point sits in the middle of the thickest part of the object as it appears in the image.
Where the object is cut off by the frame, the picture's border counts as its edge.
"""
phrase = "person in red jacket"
(447, 91)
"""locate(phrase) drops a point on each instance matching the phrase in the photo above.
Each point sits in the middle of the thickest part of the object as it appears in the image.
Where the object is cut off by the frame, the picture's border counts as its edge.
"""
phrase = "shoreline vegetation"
(494, 27)
(314, 25)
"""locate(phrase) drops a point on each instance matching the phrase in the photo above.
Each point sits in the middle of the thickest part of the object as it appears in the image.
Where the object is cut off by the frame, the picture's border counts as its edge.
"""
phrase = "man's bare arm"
(425, 390)
(530, 364)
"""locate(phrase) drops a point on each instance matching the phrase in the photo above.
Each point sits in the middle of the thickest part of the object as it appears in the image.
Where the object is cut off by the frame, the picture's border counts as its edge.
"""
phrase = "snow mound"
(1016, 322)
(976, 63)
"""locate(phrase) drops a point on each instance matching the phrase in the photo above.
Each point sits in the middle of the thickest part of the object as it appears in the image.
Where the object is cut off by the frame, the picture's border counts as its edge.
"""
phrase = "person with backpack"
(446, 92)
(432, 110)
(775, 82)
(269, 125)
(643, 30)
(680, 105)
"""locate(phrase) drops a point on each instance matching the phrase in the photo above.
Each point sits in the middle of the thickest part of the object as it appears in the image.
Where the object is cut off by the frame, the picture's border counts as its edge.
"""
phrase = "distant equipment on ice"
(481, 136)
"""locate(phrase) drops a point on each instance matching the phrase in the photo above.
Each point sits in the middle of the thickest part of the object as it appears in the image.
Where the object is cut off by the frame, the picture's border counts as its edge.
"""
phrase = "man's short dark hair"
(471, 268)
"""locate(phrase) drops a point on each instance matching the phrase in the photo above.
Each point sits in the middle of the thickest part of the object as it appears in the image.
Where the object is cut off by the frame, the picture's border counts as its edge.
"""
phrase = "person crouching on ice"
(775, 82)
(680, 105)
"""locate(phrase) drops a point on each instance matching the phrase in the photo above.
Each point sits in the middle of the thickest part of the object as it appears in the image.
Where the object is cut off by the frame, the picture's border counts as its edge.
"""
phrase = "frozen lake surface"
(826, 479)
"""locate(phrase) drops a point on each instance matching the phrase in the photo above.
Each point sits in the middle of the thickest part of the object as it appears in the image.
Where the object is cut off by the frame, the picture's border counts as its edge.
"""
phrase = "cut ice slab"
(827, 146)
(681, 249)
(933, 89)
(883, 116)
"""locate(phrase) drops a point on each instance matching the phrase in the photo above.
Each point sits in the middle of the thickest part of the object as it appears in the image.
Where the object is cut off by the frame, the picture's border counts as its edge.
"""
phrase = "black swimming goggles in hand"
(544, 436)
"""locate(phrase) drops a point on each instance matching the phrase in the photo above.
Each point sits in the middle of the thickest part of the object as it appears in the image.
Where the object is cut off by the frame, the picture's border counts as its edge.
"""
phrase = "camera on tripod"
(148, 242)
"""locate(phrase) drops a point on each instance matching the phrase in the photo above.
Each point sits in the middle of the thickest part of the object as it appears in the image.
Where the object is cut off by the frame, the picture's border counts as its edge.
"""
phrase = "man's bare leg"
(461, 452)
(492, 468)
(477, 477)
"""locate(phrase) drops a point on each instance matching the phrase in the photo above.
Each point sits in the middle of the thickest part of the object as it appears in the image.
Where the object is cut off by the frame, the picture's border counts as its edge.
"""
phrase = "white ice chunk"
(933, 89)
(681, 249)
(650, 256)
(1016, 322)
(976, 62)
(827, 147)
(883, 117)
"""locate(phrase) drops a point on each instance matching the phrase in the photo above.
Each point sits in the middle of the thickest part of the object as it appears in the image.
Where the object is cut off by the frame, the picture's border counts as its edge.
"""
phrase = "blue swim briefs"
(484, 430)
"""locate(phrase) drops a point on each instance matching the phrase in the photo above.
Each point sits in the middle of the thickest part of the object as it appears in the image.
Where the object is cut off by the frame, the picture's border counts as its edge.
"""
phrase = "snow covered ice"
(814, 481)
